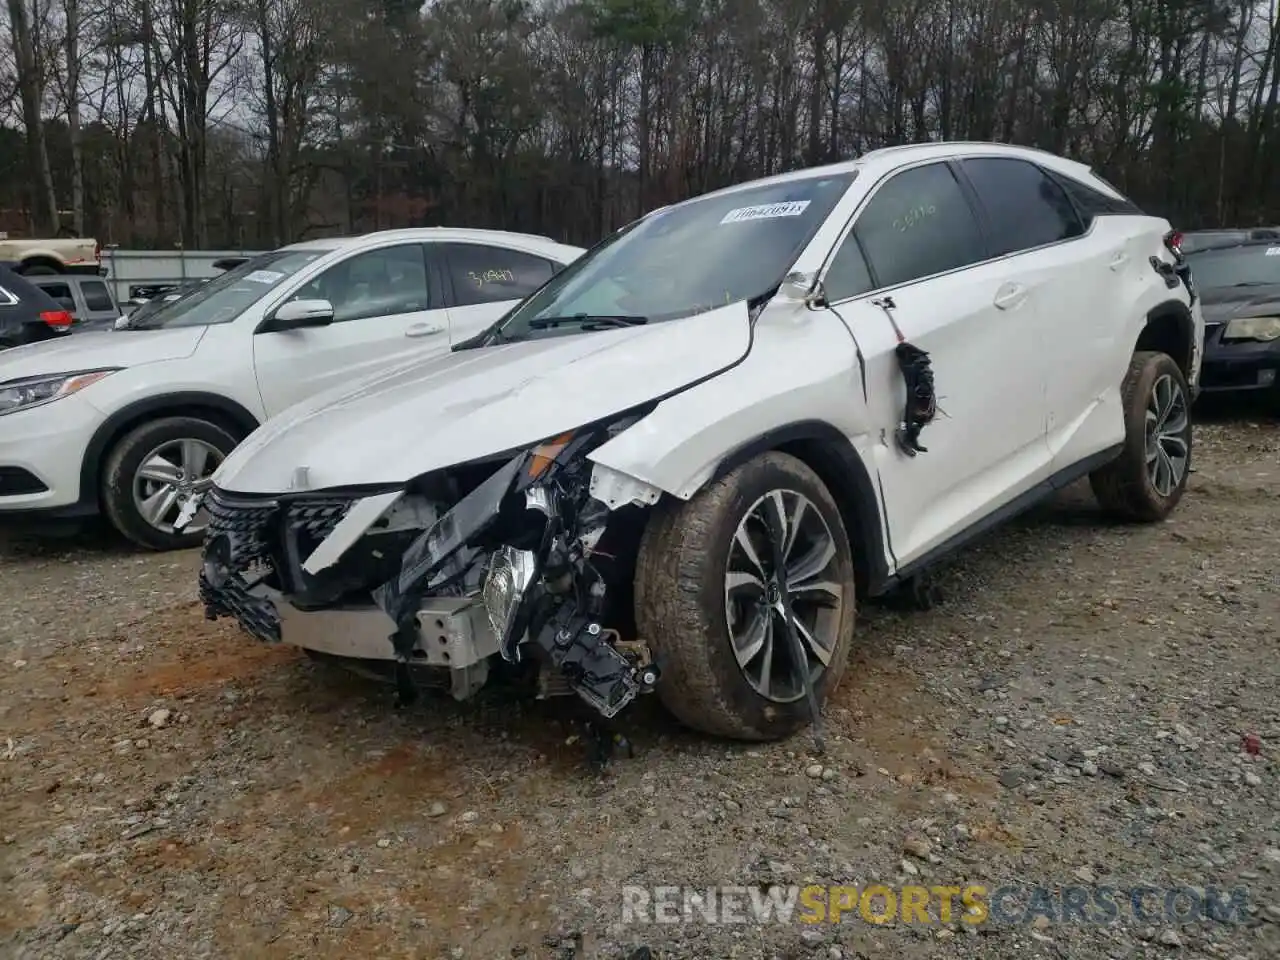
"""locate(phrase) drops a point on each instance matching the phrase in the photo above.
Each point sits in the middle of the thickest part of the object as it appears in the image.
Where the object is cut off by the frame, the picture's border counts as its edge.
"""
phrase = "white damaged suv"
(679, 464)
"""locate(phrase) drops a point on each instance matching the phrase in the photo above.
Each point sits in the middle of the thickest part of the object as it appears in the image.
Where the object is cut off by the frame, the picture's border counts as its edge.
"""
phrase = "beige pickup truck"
(36, 258)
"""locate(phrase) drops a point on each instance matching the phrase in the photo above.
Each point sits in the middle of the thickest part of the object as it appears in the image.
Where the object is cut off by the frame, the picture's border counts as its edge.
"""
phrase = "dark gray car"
(1239, 285)
(87, 299)
(27, 313)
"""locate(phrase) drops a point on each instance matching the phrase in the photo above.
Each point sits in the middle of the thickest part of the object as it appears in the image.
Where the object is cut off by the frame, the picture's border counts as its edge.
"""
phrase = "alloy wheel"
(170, 475)
(787, 525)
(1168, 425)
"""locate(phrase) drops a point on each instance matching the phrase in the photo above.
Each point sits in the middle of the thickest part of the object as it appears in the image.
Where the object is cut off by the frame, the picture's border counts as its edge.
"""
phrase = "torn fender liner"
(917, 370)
(922, 402)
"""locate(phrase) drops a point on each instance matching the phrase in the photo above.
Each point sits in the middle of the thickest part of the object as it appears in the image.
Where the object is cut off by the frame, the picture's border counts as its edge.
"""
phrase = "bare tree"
(24, 22)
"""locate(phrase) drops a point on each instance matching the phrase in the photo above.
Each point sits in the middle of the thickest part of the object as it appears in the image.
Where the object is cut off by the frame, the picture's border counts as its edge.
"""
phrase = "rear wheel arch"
(218, 410)
(39, 266)
(828, 453)
(1169, 329)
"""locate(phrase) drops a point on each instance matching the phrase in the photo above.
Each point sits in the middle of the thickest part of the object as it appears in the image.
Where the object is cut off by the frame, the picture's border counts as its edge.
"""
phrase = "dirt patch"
(1078, 707)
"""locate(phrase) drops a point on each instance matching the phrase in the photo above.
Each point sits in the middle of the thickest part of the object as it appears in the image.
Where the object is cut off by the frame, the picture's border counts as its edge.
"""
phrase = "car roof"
(520, 241)
(68, 278)
(886, 159)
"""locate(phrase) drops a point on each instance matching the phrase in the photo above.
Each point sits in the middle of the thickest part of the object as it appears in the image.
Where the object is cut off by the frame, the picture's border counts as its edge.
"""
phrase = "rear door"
(483, 282)
(1033, 225)
(384, 307)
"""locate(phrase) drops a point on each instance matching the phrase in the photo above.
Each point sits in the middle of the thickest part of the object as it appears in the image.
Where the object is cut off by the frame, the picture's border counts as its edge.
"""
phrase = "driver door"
(383, 308)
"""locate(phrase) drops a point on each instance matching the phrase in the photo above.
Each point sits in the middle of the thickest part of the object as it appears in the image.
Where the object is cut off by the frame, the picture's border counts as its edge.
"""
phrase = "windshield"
(684, 259)
(1254, 265)
(224, 298)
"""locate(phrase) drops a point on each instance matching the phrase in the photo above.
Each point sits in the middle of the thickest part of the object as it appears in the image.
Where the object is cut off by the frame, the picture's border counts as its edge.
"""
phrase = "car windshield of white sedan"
(1251, 265)
(684, 259)
(224, 298)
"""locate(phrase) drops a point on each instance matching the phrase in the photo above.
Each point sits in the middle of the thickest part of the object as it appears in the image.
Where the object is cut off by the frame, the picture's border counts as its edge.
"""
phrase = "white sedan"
(133, 422)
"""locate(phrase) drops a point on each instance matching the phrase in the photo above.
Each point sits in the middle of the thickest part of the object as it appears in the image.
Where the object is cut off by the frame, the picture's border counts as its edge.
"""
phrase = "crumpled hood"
(433, 412)
(95, 349)
(1219, 306)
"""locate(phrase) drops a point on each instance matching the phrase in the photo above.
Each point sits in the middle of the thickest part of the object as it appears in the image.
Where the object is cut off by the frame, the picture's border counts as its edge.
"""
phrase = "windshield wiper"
(591, 321)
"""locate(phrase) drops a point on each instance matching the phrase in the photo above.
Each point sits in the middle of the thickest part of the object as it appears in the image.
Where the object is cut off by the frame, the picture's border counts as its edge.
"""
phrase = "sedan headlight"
(33, 391)
(1263, 329)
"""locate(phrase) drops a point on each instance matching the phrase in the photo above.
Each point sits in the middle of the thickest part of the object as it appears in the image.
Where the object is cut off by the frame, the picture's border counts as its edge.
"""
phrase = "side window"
(96, 297)
(917, 224)
(848, 275)
(1093, 203)
(60, 292)
(1024, 207)
(7, 299)
(379, 283)
(485, 274)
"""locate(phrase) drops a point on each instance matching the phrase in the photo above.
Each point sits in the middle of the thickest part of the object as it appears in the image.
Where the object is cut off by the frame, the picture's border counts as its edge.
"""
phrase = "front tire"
(1146, 481)
(153, 470)
(707, 604)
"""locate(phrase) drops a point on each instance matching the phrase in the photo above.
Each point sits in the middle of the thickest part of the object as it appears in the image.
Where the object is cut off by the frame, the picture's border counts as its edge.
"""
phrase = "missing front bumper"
(452, 633)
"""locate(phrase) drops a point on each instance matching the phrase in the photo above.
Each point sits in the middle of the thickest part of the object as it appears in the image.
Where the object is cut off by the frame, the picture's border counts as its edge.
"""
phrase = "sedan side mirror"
(298, 314)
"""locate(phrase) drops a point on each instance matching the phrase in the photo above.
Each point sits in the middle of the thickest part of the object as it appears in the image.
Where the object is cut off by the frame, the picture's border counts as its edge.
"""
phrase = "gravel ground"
(1080, 709)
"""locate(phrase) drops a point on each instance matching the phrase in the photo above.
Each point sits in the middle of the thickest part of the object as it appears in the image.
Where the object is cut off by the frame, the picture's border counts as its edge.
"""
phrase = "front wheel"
(153, 471)
(1146, 481)
(709, 585)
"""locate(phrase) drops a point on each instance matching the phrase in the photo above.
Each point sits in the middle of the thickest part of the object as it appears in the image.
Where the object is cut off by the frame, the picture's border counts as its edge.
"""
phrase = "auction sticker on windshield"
(766, 211)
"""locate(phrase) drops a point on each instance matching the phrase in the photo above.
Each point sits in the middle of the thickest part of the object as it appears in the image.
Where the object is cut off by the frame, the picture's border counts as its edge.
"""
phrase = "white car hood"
(94, 350)
(438, 411)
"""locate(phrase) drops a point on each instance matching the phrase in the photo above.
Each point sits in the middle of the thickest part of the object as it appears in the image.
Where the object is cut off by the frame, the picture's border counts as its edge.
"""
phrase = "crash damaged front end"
(523, 560)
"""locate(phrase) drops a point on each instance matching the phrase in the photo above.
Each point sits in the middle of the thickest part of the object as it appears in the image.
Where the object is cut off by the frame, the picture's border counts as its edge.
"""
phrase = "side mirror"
(298, 314)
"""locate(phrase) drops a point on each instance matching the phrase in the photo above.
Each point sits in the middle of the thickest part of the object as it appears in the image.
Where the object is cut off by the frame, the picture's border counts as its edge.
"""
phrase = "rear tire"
(1146, 481)
(124, 483)
(38, 270)
(702, 609)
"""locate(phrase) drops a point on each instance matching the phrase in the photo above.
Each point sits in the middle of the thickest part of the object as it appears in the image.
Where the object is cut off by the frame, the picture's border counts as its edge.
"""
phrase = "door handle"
(1009, 296)
(422, 330)
(1118, 261)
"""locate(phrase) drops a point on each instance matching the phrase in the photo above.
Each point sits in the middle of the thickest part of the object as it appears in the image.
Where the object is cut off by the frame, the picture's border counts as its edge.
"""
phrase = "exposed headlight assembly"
(1262, 329)
(35, 391)
(511, 571)
(526, 476)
